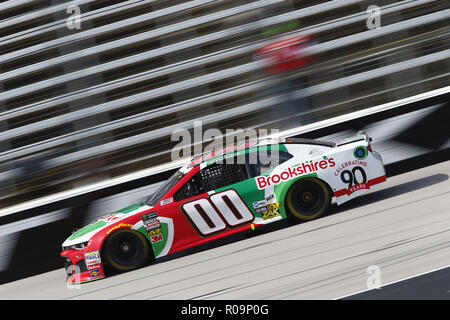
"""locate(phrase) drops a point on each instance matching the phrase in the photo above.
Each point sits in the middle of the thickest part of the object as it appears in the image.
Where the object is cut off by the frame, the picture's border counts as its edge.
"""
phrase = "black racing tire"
(308, 199)
(126, 250)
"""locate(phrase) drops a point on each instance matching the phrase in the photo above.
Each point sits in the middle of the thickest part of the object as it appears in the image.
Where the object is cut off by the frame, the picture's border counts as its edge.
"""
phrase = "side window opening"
(212, 177)
(188, 190)
(221, 175)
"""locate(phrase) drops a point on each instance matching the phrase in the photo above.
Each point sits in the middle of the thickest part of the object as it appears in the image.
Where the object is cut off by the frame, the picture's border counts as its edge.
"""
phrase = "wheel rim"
(126, 250)
(308, 200)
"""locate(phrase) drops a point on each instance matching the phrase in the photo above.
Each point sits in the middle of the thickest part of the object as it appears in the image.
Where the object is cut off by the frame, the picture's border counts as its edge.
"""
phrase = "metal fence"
(97, 95)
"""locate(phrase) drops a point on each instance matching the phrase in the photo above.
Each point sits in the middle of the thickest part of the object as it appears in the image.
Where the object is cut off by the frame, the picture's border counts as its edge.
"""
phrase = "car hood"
(85, 234)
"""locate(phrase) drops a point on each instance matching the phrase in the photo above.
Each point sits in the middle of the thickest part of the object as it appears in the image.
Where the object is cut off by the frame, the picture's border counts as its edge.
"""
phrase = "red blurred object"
(287, 54)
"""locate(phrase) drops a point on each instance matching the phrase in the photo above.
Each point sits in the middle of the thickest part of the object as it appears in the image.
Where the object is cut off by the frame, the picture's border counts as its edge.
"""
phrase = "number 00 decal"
(214, 214)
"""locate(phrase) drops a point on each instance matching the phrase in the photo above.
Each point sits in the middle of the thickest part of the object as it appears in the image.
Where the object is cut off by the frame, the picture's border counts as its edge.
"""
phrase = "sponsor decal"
(162, 248)
(92, 258)
(270, 211)
(360, 153)
(94, 266)
(356, 179)
(157, 238)
(154, 232)
(294, 171)
(112, 217)
(263, 203)
(150, 216)
(271, 198)
(151, 224)
(119, 226)
(358, 186)
(258, 204)
(95, 273)
(346, 164)
(166, 201)
(268, 207)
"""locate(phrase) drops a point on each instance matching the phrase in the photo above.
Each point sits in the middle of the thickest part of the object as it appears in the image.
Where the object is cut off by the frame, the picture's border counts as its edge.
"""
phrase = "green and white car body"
(222, 193)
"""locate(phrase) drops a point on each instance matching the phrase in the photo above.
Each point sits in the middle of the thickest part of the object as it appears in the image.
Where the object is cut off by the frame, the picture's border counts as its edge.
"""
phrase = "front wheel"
(126, 250)
(308, 199)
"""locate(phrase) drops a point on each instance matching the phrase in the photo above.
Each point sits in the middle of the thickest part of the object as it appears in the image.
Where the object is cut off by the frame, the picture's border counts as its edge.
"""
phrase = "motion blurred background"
(92, 97)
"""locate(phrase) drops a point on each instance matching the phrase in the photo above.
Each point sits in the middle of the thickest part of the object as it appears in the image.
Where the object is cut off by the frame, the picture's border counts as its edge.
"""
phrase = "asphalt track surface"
(430, 286)
(402, 227)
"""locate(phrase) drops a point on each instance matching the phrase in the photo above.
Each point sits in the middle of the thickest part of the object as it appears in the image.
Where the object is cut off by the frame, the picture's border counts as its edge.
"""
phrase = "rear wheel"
(308, 199)
(126, 250)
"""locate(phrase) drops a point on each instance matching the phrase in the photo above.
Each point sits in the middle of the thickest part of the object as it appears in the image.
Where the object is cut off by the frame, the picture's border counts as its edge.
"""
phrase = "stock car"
(236, 189)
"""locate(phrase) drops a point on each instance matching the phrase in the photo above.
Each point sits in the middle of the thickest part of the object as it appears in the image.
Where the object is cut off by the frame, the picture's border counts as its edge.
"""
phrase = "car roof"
(219, 153)
(231, 149)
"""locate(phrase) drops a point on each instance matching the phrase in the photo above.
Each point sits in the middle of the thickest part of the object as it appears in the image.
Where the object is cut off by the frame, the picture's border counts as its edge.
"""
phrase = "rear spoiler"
(310, 141)
(360, 136)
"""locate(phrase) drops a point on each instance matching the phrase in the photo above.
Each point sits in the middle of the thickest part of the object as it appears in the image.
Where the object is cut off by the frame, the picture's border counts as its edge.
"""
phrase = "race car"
(221, 193)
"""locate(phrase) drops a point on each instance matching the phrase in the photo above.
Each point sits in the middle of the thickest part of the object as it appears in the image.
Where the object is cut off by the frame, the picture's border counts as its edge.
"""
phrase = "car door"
(217, 200)
(207, 205)
(263, 202)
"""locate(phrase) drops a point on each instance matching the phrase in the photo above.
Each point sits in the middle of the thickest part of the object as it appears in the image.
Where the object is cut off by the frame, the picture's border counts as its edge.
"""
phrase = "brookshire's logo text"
(295, 171)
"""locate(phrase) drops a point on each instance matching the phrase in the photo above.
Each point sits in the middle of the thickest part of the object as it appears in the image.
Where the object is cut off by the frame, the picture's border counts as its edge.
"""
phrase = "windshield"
(164, 188)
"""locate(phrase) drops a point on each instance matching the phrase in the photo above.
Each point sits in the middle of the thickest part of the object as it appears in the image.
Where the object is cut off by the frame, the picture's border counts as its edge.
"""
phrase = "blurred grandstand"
(85, 104)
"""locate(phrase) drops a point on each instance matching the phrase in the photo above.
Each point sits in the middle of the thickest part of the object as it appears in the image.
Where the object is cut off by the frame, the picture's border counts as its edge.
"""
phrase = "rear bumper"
(78, 269)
